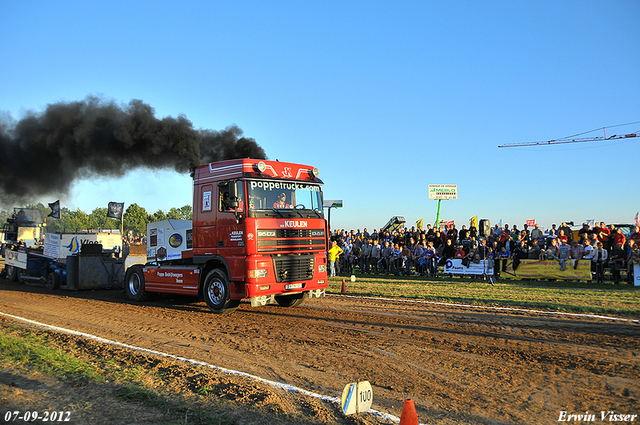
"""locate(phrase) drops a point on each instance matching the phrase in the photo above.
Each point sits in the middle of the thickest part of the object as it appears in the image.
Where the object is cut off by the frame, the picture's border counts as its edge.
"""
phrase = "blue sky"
(384, 98)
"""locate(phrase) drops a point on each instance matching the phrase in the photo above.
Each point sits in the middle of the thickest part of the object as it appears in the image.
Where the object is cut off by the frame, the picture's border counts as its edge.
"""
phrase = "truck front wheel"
(134, 284)
(216, 293)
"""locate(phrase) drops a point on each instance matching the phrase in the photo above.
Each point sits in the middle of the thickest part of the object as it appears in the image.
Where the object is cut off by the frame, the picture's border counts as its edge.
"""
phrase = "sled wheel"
(53, 281)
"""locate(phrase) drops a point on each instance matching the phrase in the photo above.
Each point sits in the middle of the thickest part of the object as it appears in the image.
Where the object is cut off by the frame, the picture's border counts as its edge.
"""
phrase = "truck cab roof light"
(261, 166)
(315, 172)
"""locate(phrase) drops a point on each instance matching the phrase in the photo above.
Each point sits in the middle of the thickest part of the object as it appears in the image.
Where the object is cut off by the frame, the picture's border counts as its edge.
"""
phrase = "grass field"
(577, 297)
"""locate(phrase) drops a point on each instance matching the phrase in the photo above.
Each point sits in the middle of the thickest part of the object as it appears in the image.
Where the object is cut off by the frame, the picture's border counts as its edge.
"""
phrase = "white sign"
(357, 397)
(16, 259)
(443, 191)
(455, 266)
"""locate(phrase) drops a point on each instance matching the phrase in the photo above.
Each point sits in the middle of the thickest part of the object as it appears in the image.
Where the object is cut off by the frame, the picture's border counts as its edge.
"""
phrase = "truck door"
(230, 229)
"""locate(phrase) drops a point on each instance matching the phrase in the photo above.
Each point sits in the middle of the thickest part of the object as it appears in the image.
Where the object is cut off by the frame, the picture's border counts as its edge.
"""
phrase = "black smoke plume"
(44, 153)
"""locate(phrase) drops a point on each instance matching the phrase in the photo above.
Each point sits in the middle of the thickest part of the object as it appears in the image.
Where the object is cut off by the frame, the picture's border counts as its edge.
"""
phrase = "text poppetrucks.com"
(603, 416)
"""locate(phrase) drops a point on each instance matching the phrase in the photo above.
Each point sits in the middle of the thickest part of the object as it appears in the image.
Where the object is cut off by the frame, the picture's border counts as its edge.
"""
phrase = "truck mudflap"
(271, 299)
(316, 293)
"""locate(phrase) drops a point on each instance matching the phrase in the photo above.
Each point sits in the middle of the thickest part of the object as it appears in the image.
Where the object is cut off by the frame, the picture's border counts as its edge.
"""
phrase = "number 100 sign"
(357, 397)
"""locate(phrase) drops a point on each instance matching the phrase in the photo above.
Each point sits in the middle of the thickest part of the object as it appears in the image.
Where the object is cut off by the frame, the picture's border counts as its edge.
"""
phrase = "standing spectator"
(334, 254)
(449, 250)
(521, 252)
(452, 234)
(567, 232)
(484, 250)
(463, 233)
(562, 237)
(386, 255)
(551, 253)
(633, 254)
(635, 236)
(584, 232)
(396, 259)
(600, 256)
(577, 252)
(617, 237)
(536, 233)
(376, 250)
(564, 251)
(617, 259)
(588, 254)
(552, 236)
(534, 250)
(603, 234)
(365, 259)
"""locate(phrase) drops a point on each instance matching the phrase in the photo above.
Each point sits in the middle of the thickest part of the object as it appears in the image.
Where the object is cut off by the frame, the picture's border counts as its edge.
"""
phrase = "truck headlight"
(254, 274)
(322, 268)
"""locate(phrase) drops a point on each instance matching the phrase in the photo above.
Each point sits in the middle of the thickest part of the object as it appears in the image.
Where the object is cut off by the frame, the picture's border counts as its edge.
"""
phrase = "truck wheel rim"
(216, 292)
(134, 284)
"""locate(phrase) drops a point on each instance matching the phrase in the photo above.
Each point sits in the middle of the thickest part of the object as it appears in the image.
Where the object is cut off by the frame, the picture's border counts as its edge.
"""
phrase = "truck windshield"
(270, 195)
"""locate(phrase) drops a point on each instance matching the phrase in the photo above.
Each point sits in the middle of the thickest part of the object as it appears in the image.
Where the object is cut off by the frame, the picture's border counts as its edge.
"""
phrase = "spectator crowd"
(421, 251)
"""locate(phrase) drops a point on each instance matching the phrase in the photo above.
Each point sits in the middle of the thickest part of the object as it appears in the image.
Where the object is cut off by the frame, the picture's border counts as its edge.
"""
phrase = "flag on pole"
(531, 223)
(115, 210)
(637, 220)
(473, 221)
(419, 224)
(55, 209)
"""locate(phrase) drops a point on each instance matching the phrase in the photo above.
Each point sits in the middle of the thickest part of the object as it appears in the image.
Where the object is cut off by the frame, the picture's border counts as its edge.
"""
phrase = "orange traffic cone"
(408, 415)
(344, 287)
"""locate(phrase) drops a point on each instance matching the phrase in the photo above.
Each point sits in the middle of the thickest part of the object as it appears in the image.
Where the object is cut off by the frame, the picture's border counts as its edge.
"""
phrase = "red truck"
(258, 233)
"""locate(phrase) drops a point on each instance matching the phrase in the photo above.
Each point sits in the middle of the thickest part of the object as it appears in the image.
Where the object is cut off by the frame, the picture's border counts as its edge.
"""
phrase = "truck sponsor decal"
(284, 185)
(296, 223)
(175, 240)
(206, 201)
(236, 236)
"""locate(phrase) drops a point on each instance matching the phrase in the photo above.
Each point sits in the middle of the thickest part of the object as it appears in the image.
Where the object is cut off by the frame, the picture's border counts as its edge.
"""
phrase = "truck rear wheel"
(216, 293)
(292, 300)
(134, 284)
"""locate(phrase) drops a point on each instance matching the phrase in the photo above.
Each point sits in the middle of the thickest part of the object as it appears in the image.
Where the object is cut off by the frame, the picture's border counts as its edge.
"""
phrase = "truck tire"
(216, 293)
(134, 284)
(53, 281)
(292, 300)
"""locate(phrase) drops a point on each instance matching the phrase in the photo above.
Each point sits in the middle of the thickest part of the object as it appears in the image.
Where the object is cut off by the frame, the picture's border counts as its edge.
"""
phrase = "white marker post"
(357, 397)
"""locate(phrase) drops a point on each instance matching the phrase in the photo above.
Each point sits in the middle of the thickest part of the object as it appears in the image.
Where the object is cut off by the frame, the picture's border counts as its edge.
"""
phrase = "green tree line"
(135, 218)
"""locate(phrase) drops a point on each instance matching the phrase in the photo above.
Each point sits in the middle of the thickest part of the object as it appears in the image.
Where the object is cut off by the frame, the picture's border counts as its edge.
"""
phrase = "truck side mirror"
(233, 195)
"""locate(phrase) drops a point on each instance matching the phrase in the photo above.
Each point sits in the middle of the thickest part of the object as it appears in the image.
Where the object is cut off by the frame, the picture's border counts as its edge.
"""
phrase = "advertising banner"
(443, 191)
(455, 266)
(547, 269)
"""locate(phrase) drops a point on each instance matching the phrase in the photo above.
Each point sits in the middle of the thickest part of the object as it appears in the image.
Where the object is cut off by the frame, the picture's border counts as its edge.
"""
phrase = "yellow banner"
(547, 269)
(473, 222)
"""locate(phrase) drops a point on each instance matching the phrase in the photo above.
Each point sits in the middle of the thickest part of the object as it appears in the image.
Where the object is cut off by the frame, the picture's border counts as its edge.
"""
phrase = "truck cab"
(258, 233)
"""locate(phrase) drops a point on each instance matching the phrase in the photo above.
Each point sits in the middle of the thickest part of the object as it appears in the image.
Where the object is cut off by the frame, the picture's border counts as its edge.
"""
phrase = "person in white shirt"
(599, 257)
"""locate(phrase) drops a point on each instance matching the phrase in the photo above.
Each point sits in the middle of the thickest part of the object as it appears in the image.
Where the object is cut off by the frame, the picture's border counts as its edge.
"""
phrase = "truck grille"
(294, 268)
(291, 240)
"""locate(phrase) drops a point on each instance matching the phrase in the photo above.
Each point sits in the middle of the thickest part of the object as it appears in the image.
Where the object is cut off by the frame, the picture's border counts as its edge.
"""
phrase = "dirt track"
(459, 365)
